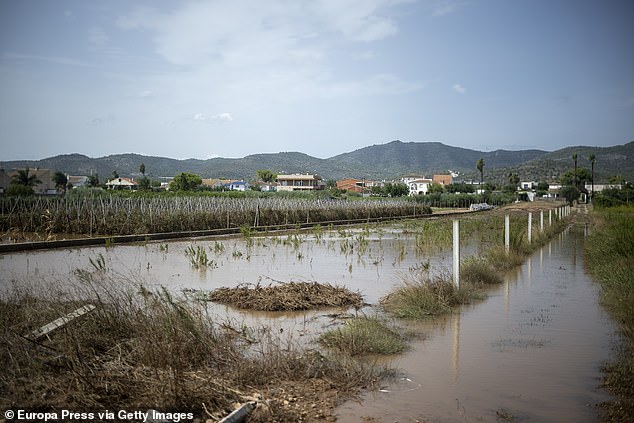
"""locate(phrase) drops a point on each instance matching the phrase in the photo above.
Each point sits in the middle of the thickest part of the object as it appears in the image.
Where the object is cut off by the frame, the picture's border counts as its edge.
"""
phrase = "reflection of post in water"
(455, 350)
(507, 294)
(529, 265)
(541, 258)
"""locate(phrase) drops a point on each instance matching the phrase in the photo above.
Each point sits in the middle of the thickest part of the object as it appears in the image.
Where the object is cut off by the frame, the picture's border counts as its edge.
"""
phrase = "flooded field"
(530, 352)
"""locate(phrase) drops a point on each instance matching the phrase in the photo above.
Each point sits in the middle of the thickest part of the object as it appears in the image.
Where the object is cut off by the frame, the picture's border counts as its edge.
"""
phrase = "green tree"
(115, 174)
(60, 180)
(435, 188)
(462, 188)
(514, 179)
(570, 193)
(185, 181)
(574, 158)
(480, 167)
(592, 159)
(93, 181)
(144, 184)
(142, 169)
(265, 175)
(542, 186)
(398, 189)
(576, 178)
(22, 177)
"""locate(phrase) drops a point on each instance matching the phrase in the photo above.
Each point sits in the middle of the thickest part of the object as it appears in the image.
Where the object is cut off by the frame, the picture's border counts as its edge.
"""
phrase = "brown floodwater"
(531, 352)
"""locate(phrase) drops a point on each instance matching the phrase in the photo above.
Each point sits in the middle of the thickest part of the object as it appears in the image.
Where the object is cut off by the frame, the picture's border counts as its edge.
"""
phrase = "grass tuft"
(364, 335)
(422, 296)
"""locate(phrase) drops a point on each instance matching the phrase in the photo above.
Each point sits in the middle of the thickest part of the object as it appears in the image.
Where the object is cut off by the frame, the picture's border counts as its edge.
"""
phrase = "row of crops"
(113, 215)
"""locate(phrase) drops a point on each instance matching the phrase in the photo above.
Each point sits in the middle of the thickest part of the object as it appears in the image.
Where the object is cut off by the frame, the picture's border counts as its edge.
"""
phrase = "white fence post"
(456, 253)
(541, 221)
(530, 226)
(507, 235)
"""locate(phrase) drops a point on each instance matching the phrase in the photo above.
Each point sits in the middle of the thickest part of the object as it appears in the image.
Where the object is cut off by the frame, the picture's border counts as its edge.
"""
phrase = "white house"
(419, 186)
(121, 183)
(237, 186)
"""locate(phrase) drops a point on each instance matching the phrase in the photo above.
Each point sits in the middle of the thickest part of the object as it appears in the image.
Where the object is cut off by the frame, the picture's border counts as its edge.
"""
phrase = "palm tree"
(480, 167)
(23, 178)
(574, 158)
(592, 159)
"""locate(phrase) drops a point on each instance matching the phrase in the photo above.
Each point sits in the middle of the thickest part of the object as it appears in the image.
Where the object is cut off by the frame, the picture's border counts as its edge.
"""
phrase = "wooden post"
(456, 253)
(530, 226)
(507, 235)
(541, 221)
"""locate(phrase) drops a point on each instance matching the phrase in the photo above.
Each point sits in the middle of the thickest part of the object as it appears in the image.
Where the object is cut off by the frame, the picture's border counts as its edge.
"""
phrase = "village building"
(419, 186)
(298, 182)
(121, 184)
(352, 185)
(443, 180)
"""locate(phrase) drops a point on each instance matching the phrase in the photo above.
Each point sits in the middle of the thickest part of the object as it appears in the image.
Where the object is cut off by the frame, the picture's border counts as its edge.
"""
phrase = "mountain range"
(383, 161)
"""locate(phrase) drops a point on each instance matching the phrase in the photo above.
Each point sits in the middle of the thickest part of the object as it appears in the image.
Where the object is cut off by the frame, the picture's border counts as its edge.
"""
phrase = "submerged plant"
(198, 257)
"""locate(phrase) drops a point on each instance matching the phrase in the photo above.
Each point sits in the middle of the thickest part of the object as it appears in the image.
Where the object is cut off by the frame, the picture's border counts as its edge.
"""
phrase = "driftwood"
(57, 323)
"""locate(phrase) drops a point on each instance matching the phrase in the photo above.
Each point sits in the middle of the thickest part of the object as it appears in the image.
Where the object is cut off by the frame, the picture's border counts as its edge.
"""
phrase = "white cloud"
(359, 20)
(459, 89)
(444, 7)
(98, 37)
(146, 94)
(201, 117)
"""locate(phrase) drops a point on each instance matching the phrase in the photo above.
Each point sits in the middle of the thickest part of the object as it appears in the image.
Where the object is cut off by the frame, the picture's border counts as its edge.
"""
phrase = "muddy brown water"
(531, 351)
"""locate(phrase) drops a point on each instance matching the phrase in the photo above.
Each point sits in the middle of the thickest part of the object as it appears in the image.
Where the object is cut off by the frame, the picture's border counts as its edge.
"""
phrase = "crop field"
(114, 215)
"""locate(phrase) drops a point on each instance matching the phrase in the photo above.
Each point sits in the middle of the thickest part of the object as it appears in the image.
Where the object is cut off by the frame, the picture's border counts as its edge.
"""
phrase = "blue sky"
(200, 79)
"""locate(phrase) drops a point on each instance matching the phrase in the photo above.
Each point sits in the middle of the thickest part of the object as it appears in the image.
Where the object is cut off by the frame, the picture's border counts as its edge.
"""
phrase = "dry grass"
(140, 349)
(287, 296)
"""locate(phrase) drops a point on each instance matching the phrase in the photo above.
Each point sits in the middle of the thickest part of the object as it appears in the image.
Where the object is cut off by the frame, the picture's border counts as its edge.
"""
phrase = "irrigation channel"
(531, 351)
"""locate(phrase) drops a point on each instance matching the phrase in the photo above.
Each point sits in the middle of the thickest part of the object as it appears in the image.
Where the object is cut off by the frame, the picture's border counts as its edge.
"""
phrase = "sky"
(202, 79)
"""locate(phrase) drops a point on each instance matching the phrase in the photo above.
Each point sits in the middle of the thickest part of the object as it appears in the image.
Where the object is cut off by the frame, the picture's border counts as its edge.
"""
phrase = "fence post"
(541, 221)
(550, 217)
(507, 235)
(530, 226)
(456, 253)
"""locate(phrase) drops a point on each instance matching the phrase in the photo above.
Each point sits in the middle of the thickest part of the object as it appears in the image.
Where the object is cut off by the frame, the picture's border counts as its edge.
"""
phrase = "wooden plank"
(57, 323)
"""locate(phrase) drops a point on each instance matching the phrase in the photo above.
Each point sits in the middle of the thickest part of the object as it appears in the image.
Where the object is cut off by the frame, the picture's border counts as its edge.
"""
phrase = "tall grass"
(609, 253)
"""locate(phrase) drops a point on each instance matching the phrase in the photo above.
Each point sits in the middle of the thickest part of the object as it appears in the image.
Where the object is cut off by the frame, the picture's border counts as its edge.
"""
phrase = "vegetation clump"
(609, 254)
(288, 296)
(423, 296)
(364, 335)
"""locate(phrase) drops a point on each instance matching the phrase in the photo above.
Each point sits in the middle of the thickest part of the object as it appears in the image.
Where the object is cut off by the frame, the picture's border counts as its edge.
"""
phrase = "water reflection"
(532, 349)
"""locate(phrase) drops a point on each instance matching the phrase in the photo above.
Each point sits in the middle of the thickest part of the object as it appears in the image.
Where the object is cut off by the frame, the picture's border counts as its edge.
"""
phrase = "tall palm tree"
(574, 158)
(23, 178)
(480, 167)
(592, 159)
